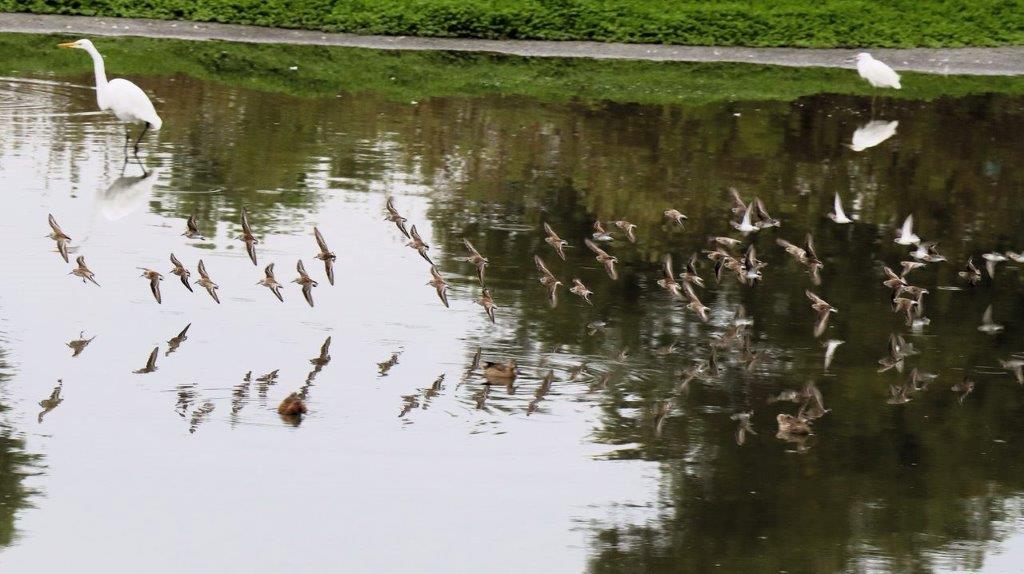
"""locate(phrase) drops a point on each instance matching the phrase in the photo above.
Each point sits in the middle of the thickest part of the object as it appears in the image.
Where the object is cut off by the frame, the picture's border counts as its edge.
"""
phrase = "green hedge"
(802, 23)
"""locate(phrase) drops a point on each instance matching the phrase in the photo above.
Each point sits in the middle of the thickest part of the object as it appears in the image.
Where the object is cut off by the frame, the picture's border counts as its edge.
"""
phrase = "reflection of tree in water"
(901, 483)
(918, 486)
(914, 498)
(521, 158)
(15, 466)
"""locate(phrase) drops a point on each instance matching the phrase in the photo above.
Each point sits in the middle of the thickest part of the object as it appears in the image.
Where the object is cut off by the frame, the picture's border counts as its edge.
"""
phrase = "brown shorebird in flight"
(325, 255)
(205, 282)
(438, 283)
(668, 282)
(555, 241)
(628, 228)
(971, 273)
(599, 232)
(247, 237)
(725, 241)
(60, 237)
(909, 266)
(476, 259)
(580, 290)
(192, 229)
(83, 271)
(487, 302)
(419, 245)
(675, 215)
(548, 280)
(695, 304)
(892, 279)
(181, 272)
(154, 282)
(270, 282)
(818, 304)
(823, 310)
(764, 219)
(305, 281)
(395, 217)
(738, 205)
(607, 260)
(690, 276)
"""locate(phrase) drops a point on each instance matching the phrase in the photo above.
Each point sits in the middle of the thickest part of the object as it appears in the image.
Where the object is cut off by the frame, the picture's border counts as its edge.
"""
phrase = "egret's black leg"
(145, 127)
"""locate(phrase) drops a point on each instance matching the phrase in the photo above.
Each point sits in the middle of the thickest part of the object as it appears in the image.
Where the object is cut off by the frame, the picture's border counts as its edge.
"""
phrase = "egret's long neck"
(97, 65)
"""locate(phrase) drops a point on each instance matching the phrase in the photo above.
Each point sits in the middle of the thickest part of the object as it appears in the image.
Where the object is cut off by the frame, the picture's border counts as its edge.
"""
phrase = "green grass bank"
(321, 71)
(797, 23)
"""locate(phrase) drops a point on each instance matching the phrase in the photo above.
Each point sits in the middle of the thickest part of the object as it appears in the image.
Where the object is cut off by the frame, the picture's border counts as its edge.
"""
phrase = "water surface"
(386, 473)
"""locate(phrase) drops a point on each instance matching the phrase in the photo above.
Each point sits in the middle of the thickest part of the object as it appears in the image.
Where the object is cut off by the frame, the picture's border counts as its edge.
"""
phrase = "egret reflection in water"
(127, 194)
(872, 133)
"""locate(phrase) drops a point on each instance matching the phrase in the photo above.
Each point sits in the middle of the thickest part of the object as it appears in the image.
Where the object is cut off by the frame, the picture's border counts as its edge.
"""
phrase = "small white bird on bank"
(877, 73)
(122, 98)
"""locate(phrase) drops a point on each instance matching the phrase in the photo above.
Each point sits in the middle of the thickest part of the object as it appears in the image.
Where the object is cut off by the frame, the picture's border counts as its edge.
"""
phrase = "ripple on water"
(24, 99)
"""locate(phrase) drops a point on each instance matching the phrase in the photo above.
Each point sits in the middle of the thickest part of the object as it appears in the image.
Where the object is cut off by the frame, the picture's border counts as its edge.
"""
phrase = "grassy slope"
(804, 23)
(405, 76)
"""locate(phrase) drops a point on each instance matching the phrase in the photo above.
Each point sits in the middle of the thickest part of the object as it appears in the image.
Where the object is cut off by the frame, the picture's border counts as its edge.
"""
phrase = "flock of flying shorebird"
(131, 105)
(729, 257)
(192, 232)
(906, 298)
(293, 405)
(726, 253)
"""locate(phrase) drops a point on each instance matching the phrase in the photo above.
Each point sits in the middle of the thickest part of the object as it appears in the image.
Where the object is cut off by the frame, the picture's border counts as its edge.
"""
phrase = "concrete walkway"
(975, 61)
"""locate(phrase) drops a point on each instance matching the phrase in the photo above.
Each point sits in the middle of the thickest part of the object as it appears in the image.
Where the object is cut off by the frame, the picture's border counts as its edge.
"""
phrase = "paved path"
(976, 61)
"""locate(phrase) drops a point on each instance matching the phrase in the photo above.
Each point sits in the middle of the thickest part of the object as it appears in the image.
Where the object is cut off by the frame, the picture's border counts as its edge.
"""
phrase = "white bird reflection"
(872, 133)
(126, 195)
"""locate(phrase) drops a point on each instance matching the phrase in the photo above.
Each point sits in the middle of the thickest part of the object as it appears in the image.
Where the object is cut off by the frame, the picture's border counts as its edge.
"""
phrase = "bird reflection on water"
(127, 194)
(78, 345)
(51, 402)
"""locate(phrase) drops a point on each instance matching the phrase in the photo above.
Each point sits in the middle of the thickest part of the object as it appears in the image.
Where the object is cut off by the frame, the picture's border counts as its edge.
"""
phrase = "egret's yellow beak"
(66, 45)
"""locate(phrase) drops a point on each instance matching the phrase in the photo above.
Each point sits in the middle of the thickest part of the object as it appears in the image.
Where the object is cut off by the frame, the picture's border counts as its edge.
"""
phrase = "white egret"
(877, 73)
(122, 98)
